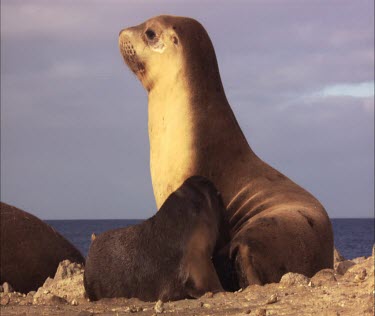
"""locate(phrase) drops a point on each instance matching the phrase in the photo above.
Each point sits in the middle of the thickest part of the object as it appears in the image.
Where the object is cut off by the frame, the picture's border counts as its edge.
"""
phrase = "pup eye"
(150, 34)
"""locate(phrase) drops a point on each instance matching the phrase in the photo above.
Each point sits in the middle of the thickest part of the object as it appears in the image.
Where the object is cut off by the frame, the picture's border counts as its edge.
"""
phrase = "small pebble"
(272, 299)
(5, 300)
(248, 311)
(208, 295)
(135, 309)
(361, 275)
(159, 307)
(260, 312)
(7, 288)
(74, 302)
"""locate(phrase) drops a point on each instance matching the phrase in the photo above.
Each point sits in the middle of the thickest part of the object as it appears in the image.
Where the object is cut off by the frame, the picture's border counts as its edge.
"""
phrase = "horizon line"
(143, 219)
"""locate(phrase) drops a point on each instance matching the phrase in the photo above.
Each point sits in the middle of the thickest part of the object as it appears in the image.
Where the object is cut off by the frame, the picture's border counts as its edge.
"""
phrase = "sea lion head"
(167, 48)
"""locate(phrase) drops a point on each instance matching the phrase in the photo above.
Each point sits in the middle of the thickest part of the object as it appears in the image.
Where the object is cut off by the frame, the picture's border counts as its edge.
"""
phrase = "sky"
(299, 76)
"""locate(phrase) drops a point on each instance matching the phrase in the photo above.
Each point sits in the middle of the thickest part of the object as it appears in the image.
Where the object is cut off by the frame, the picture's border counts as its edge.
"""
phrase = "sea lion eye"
(150, 34)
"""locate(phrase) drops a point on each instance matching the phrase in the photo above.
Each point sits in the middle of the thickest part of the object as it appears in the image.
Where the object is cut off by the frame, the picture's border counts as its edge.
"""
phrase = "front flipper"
(202, 278)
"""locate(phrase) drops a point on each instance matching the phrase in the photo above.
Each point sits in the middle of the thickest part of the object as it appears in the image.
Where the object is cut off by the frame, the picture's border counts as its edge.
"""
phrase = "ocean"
(353, 237)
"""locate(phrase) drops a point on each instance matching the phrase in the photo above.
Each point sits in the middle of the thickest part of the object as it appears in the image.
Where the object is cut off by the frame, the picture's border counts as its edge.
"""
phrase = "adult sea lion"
(275, 225)
(31, 250)
(166, 257)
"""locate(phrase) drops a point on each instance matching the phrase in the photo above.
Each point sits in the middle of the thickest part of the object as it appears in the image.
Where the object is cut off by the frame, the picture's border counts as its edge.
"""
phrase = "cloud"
(363, 89)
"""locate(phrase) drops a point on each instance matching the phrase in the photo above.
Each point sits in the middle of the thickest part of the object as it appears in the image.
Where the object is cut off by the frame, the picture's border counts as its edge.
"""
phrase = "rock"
(359, 260)
(67, 269)
(7, 288)
(323, 277)
(48, 282)
(260, 312)
(208, 295)
(67, 284)
(337, 257)
(5, 300)
(135, 309)
(74, 302)
(248, 311)
(294, 279)
(159, 307)
(361, 275)
(343, 266)
(272, 299)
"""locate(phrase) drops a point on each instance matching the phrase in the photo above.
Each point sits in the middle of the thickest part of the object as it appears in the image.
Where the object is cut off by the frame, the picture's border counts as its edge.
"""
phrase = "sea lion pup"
(275, 225)
(166, 257)
(31, 250)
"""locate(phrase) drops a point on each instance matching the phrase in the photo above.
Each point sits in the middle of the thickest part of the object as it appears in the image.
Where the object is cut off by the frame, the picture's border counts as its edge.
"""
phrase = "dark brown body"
(275, 225)
(31, 250)
(166, 257)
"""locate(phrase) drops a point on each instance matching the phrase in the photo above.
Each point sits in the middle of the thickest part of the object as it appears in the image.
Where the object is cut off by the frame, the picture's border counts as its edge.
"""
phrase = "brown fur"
(276, 226)
(166, 257)
(31, 250)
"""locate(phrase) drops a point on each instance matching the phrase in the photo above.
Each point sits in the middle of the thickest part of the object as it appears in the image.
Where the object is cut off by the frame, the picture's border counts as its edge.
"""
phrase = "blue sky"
(299, 76)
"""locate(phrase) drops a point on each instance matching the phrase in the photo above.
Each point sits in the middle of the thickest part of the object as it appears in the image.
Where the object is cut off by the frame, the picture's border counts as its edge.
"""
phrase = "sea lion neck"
(184, 126)
(192, 129)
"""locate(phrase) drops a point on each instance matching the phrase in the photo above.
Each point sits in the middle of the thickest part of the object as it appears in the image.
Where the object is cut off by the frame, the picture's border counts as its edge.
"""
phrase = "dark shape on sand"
(30, 249)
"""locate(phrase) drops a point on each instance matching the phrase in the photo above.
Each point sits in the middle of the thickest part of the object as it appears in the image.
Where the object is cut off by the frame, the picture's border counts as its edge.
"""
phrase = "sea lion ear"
(174, 39)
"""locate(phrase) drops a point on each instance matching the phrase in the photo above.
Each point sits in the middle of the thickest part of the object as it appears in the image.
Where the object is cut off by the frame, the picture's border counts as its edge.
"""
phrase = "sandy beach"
(346, 290)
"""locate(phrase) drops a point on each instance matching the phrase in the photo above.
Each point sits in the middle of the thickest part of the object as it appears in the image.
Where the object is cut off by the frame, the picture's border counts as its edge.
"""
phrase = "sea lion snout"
(129, 52)
(127, 48)
(125, 42)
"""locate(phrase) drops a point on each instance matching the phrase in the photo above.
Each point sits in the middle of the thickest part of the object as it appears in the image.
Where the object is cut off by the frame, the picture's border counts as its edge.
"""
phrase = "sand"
(346, 290)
